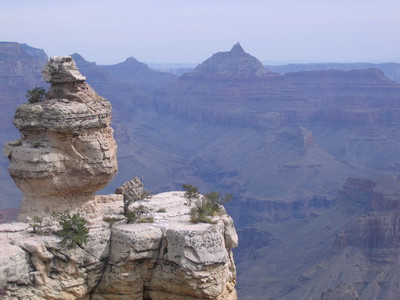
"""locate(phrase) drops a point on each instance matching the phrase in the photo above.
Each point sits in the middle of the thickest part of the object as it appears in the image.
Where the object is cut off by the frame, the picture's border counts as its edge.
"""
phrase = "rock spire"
(67, 150)
(237, 48)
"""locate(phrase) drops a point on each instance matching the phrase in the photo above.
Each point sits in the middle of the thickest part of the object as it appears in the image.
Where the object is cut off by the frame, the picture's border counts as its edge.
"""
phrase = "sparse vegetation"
(127, 201)
(74, 231)
(208, 206)
(36, 94)
(136, 215)
(191, 192)
(149, 219)
(111, 220)
(36, 224)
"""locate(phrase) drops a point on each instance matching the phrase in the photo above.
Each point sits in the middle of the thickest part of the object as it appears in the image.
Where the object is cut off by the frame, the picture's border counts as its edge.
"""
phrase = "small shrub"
(208, 206)
(74, 231)
(111, 220)
(128, 201)
(135, 215)
(146, 220)
(198, 214)
(191, 192)
(37, 224)
(36, 94)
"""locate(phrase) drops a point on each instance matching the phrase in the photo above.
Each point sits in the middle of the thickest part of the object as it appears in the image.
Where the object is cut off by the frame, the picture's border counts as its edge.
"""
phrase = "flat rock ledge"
(170, 258)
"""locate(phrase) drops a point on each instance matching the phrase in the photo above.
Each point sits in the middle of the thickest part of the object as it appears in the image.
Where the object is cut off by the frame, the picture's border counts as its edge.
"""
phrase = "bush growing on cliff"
(36, 224)
(111, 220)
(74, 231)
(36, 94)
(208, 206)
(191, 192)
(137, 215)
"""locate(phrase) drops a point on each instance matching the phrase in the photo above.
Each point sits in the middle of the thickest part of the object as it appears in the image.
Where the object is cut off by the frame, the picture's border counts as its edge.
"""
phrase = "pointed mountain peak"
(131, 59)
(234, 63)
(79, 60)
(77, 56)
(237, 48)
(133, 63)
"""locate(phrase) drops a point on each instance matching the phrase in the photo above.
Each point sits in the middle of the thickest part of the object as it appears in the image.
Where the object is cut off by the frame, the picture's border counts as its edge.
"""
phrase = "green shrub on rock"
(136, 215)
(191, 192)
(74, 231)
(208, 206)
(111, 220)
(36, 224)
(36, 94)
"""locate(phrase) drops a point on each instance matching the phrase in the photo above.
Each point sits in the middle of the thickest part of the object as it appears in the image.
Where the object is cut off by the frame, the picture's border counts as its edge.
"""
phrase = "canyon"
(284, 144)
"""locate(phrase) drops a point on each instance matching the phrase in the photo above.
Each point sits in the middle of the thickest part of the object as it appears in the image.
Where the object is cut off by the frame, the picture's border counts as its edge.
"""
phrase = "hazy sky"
(191, 30)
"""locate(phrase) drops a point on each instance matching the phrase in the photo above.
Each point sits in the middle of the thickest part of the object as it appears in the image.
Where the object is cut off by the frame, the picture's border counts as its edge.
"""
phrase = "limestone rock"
(132, 189)
(62, 69)
(67, 151)
(170, 258)
(36, 267)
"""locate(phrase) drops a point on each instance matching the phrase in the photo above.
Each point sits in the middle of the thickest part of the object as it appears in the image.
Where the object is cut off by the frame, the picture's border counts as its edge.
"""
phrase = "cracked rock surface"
(170, 258)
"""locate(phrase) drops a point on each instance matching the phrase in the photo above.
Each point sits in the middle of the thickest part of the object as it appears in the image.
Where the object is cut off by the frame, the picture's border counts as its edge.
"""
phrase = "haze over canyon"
(309, 152)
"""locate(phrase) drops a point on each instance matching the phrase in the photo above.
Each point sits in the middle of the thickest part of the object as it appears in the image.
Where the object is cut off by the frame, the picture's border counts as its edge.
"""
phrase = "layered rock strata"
(67, 151)
(170, 258)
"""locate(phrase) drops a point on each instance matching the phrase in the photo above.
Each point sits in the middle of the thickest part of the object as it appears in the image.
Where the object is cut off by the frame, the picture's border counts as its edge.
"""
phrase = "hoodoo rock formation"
(67, 151)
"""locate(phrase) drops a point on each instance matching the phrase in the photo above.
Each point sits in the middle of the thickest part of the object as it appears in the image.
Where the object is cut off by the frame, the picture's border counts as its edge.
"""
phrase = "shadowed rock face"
(67, 151)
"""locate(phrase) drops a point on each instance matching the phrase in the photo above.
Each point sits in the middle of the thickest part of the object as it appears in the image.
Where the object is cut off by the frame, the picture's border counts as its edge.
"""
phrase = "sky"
(190, 31)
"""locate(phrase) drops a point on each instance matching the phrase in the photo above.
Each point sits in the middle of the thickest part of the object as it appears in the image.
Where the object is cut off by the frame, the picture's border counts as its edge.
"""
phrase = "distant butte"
(234, 63)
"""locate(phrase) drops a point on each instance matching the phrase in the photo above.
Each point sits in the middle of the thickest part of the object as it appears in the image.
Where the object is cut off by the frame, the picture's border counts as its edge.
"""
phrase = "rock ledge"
(171, 258)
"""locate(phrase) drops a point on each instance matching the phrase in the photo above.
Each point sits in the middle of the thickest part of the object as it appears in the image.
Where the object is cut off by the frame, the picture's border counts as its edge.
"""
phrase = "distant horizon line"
(274, 63)
(271, 62)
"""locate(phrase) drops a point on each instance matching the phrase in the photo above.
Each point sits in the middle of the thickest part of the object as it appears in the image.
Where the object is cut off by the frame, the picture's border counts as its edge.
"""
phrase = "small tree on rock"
(36, 94)
(74, 231)
(191, 192)
(36, 224)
